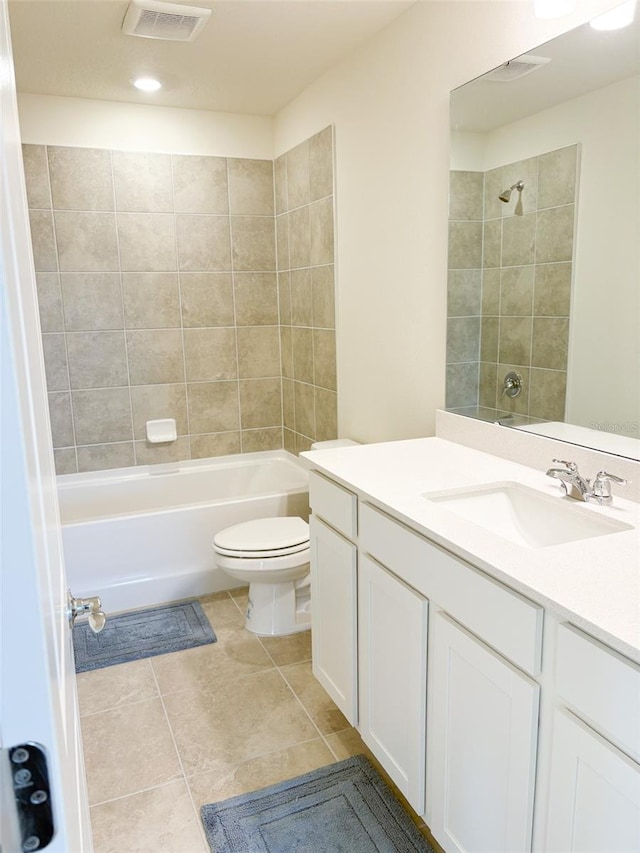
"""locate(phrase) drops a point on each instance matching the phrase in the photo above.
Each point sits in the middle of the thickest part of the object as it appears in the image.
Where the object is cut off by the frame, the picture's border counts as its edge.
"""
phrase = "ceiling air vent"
(516, 68)
(152, 19)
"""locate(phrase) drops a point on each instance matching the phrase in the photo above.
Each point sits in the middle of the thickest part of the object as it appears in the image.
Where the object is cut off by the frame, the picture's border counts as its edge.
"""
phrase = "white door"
(481, 750)
(37, 680)
(392, 642)
(334, 617)
(594, 795)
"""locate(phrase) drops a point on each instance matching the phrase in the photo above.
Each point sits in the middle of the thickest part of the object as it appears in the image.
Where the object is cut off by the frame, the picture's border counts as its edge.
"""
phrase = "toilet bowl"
(272, 556)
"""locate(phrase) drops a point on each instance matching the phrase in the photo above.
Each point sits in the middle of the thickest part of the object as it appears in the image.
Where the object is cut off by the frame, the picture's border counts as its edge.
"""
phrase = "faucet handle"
(601, 489)
(571, 466)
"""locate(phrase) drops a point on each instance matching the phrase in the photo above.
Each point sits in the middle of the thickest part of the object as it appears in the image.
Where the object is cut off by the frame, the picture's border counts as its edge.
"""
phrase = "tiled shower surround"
(509, 286)
(162, 295)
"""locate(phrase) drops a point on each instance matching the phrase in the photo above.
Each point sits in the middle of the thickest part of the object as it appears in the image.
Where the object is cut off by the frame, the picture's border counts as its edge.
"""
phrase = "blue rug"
(343, 808)
(142, 634)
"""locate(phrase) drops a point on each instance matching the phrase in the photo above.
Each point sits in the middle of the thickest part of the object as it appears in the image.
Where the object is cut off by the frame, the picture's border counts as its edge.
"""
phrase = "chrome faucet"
(576, 486)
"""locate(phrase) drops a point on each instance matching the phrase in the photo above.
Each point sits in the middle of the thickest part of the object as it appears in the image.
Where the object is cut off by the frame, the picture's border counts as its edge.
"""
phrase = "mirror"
(544, 234)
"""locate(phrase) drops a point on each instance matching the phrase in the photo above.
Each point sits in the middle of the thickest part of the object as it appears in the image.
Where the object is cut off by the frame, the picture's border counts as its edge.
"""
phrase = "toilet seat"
(263, 538)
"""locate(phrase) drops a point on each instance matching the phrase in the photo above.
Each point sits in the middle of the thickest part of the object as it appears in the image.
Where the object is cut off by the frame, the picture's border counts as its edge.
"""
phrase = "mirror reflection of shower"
(505, 196)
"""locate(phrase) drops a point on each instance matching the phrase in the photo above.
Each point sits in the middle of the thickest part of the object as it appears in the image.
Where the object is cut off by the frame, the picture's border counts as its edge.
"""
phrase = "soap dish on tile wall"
(161, 431)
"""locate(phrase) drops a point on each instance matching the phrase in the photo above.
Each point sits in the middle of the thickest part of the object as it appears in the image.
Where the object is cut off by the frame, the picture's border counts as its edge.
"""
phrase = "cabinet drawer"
(338, 506)
(502, 618)
(600, 686)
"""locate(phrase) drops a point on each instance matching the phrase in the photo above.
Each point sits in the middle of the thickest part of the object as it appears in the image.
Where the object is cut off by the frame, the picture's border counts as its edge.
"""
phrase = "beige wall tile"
(491, 246)
(489, 332)
(161, 819)
(142, 182)
(463, 339)
(258, 351)
(113, 686)
(494, 184)
(298, 175)
(488, 384)
(81, 178)
(301, 298)
(465, 245)
(284, 297)
(200, 184)
(516, 291)
(303, 443)
(256, 298)
(128, 749)
(554, 236)
(552, 291)
(147, 242)
(36, 173)
(280, 181)
(321, 225)
(514, 405)
(288, 404)
(466, 195)
(464, 292)
(515, 340)
(299, 238)
(557, 177)
(550, 342)
(326, 414)
(260, 403)
(61, 419)
(462, 385)
(43, 241)
(203, 243)
(55, 362)
(522, 170)
(65, 460)
(304, 403)
(216, 444)
(251, 186)
(50, 302)
(324, 358)
(253, 242)
(100, 457)
(289, 440)
(213, 407)
(155, 357)
(87, 242)
(518, 240)
(150, 402)
(282, 241)
(92, 301)
(286, 352)
(210, 354)
(323, 296)
(548, 393)
(321, 164)
(102, 415)
(97, 359)
(156, 454)
(151, 300)
(491, 291)
(254, 440)
(207, 299)
(302, 344)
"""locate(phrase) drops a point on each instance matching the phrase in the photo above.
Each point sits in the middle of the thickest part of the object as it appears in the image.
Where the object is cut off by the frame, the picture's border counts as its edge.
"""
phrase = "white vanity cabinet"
(392, 643)
(594, 785)
(334, 592)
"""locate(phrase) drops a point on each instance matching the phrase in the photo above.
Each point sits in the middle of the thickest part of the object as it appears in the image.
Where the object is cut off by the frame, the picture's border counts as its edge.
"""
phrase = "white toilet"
(272, 556)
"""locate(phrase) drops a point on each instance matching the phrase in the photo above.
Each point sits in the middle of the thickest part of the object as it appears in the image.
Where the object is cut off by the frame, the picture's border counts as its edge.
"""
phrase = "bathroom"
(388, 105)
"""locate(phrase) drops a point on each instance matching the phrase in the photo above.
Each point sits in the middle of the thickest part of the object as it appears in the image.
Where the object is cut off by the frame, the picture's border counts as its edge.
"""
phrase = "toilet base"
(279, 609)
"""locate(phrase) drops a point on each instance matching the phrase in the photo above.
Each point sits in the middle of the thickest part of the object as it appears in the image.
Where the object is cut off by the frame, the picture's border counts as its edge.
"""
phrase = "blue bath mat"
(142, 634)
(343, 808)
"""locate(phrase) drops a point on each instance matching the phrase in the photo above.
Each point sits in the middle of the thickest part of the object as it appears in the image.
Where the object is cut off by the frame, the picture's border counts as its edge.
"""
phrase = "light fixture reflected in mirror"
(617, 18)
(553, 8)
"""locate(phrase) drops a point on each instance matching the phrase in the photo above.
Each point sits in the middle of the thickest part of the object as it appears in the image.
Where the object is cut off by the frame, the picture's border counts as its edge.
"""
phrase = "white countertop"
(595, 582)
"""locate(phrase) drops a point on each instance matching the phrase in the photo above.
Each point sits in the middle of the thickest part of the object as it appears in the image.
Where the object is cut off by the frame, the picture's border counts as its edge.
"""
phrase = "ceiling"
(253, 56)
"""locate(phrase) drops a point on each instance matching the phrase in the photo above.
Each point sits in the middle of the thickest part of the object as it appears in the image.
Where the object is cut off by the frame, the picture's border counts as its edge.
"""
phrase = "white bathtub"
(142, 536)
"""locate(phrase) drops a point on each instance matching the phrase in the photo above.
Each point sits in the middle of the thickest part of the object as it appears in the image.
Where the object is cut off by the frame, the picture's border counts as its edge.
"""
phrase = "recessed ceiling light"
(147, 84)
(553, 8)
(616, 18)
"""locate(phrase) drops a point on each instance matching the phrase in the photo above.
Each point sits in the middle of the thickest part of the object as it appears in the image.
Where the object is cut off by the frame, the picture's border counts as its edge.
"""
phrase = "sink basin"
(524, 515)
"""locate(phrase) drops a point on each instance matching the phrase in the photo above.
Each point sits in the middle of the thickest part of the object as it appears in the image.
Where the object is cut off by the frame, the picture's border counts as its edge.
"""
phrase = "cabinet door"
(392, 642)
(481, 751)
(333, 616)
(594, 795)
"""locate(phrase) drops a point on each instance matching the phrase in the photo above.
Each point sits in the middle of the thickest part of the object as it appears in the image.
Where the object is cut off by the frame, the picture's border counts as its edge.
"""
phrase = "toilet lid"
(267, 537)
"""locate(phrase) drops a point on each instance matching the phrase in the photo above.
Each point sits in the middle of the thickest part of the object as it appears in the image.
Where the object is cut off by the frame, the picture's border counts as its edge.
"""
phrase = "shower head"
(505, 195)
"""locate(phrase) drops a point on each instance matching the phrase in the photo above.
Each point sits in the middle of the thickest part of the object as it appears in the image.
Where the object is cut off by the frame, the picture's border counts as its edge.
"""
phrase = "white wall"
(390, 104)
(84, 123)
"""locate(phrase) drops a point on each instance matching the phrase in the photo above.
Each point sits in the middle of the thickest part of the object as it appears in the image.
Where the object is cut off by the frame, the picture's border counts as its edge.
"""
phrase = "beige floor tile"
(260, 772)
(128, 749)
(233, 722)
(287, 650)
(236, 654)
(114, 686)
(162, 820)
(315, 698)
(222, 611)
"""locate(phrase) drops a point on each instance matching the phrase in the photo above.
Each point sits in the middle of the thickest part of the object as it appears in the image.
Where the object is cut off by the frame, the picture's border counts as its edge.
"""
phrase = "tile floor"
(164, 735)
